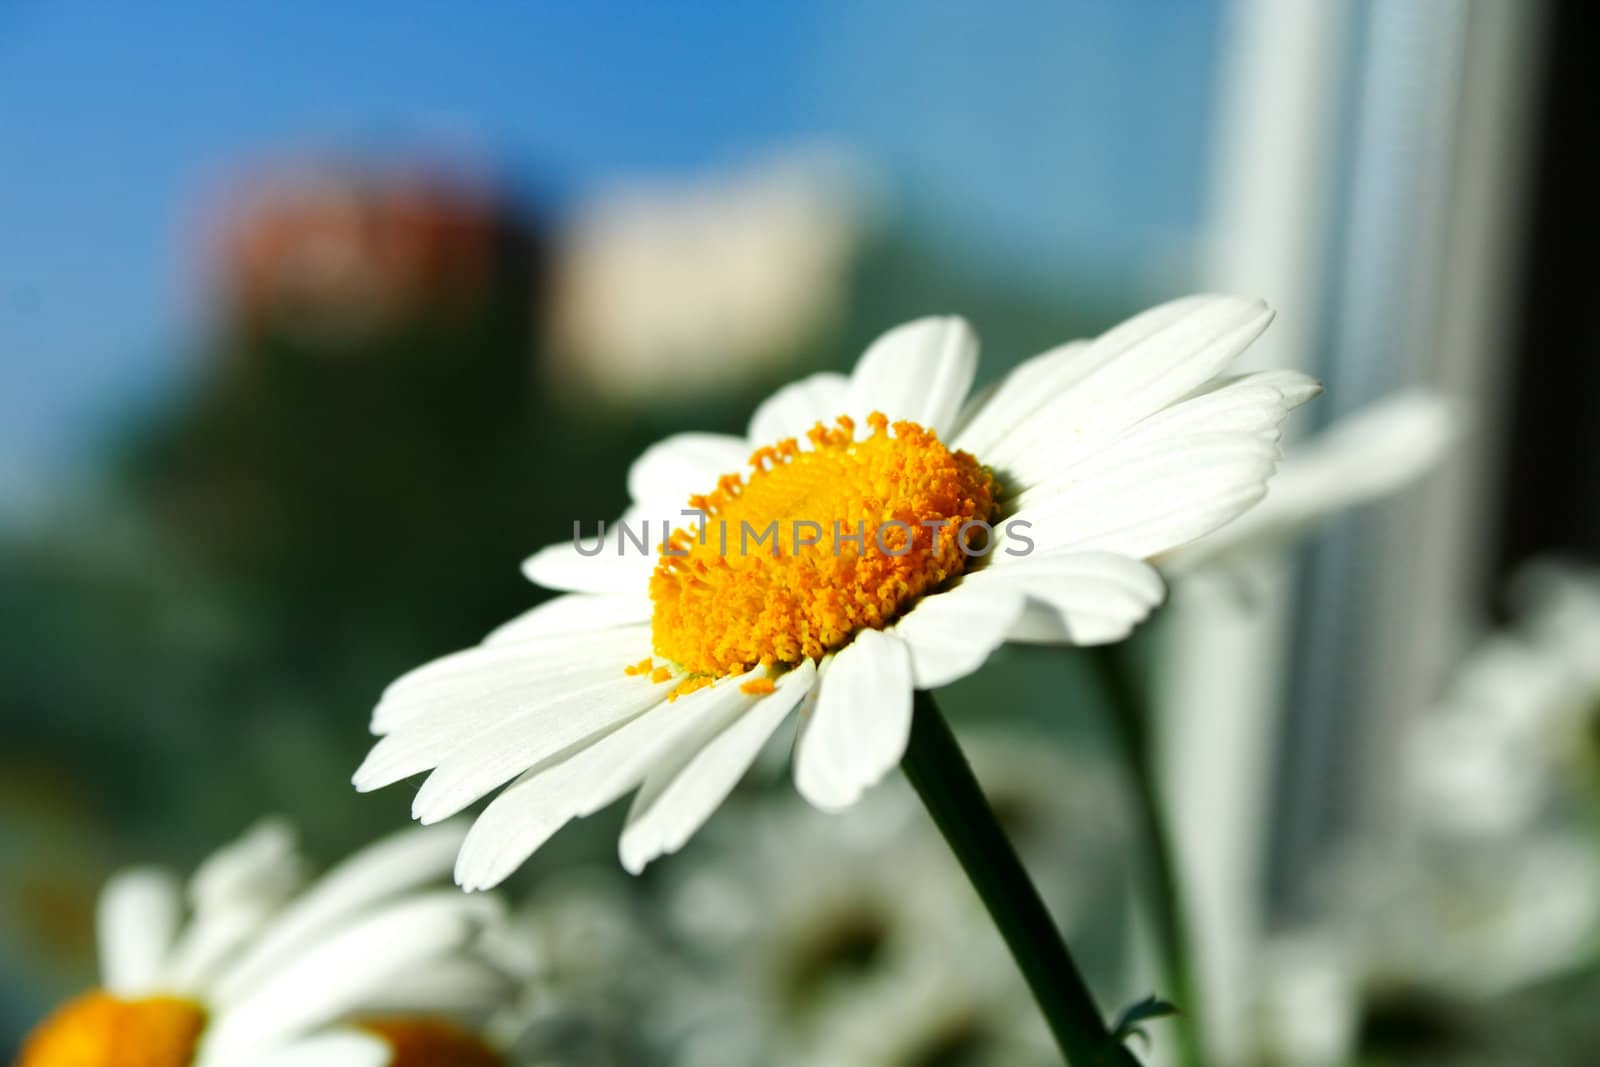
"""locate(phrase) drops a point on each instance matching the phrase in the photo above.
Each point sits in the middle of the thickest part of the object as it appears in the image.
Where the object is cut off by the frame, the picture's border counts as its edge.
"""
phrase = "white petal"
(861, 724)
(339, 1048)
(399, 862)
(348, 968)
(232, 895)
(1137, 369)
(1360, 458)
(521, 706)
(675, 801)
(1027, 388)
(668, 472)
(1090, 597)
(1139, 502)
(206, 945)
(950, 634)
(1249, 405)
(494, 756)
(799, 406)
(573, 785)
(621, 563)
(919, 371)
(259, 857)
(459, 988)
(446, 685)
(138, 919)
(575, 613)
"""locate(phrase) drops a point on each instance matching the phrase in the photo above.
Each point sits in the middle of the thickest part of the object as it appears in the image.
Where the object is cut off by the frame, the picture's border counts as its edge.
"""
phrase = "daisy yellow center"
(99, 1030)
(431, 1043)
(812, 546)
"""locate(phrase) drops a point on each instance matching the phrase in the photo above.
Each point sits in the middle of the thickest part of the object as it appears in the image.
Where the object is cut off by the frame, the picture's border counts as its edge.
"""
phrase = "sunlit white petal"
(919, 371)
(137, 923)
(676, 800)
(861, 724)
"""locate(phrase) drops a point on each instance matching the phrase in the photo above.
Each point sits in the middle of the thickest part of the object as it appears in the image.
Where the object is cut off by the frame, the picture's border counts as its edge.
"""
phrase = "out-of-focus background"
(315, 321)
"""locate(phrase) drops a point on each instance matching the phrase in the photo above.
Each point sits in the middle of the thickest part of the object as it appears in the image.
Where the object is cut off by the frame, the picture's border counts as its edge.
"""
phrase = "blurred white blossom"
(830, 941)
(1487, 879)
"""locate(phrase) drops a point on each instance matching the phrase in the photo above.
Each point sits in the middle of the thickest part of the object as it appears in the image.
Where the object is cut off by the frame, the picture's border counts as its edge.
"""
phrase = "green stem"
(1130, 720)
(948, 788)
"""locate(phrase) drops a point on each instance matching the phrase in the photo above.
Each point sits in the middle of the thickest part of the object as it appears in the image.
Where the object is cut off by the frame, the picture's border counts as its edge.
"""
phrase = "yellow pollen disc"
(725, 602)
(99, 1030)
(431, 1043)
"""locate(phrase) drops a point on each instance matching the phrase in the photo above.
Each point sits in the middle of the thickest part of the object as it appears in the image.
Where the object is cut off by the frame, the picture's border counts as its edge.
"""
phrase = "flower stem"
(1130, 722)
(948, 788)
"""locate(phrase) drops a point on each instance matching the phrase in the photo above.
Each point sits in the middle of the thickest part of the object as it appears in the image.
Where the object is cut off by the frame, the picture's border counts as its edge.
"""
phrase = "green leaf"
(1129, 1022)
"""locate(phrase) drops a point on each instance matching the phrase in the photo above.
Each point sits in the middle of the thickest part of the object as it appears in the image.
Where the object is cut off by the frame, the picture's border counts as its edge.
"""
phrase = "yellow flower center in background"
(99, 1030)
(748, 589)
(431, 1043)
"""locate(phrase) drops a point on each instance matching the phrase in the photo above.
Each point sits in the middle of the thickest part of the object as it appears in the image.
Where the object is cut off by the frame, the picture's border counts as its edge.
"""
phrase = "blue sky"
(1037, 136)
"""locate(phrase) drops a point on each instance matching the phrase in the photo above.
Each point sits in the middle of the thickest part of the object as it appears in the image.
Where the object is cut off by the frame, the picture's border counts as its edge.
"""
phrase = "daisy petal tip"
(369, 776)
(824, 795)
(634, 856)
(1298, 389)
(536, 568)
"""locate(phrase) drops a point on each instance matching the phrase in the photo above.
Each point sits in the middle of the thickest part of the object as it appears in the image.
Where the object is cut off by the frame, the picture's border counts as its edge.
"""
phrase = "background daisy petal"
(341, 972)
(139, 914)
(341, 1048)
(402, 861)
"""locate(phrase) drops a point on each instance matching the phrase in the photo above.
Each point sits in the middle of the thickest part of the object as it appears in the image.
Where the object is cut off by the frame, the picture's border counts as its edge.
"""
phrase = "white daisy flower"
(1517, 728)
(1083, 462)
(600, 974)
(938, 1017)
(818, 943)
(364, 968)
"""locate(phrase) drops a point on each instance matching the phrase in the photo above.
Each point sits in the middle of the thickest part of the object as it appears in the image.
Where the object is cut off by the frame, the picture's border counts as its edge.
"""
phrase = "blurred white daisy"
(1487, 877)
(1305, 1004)
(366, 967)
(826, 944)
(665, 292)
(599, 975)
(1078, 466)
(1557, 603)
(1372, 453)
(1469, 918)
(1520, 723)
(1480, 762)
(937, 1017)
